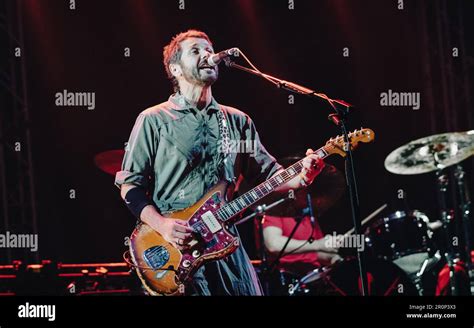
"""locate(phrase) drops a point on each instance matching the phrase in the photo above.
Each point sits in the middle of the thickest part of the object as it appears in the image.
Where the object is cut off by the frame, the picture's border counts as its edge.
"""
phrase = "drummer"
(307, 250)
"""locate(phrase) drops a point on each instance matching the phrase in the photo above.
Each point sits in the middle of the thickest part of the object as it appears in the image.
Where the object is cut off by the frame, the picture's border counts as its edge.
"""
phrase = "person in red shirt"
(301, 256)
(308, 248)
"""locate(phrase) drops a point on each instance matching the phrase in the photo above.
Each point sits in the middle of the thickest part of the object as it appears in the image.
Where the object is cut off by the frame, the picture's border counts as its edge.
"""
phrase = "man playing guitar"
(174, 156)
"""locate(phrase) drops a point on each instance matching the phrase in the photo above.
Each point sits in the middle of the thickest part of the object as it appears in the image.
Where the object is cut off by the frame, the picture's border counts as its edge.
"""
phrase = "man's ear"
(175, 69)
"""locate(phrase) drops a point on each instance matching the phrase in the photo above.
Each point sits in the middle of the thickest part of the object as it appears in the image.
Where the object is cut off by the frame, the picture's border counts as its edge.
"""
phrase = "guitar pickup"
(211, 222)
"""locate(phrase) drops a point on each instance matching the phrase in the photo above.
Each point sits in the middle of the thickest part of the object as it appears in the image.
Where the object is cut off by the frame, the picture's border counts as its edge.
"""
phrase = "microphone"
(215, 59)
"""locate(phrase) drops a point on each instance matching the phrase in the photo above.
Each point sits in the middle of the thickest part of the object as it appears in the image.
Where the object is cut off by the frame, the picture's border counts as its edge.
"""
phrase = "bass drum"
(342, 279)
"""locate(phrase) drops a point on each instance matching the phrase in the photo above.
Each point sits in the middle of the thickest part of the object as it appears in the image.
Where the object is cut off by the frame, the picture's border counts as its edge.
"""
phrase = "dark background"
(82, 50)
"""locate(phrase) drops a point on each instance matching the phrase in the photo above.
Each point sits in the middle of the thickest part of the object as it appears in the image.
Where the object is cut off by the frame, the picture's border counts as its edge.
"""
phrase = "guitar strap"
(224, 140)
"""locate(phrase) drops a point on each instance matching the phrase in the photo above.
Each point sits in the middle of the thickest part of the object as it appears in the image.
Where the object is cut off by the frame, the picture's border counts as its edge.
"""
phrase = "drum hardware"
(444, 279)
(438, 153)
(428, 265)
(450, 218)
(445, 217)
(425, 264)
(300, 289)
(464, 209)
(342, 279)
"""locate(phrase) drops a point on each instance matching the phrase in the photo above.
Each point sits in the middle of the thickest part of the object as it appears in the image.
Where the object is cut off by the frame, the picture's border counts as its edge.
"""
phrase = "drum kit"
(403, 257)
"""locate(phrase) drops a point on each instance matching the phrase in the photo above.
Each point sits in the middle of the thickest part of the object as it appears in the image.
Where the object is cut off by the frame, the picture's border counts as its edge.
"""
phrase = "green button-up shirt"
(174, 152)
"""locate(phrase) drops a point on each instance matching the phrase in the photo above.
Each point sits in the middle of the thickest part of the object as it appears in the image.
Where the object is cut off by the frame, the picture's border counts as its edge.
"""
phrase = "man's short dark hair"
(172, 52)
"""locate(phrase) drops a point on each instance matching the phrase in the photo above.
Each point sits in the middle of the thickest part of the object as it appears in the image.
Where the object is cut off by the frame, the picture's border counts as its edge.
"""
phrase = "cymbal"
(109, 161)
(431, 153)
(325, 192)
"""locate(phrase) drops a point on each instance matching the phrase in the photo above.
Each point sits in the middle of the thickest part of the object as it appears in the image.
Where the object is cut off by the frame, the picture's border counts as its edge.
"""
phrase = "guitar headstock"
(337, 145)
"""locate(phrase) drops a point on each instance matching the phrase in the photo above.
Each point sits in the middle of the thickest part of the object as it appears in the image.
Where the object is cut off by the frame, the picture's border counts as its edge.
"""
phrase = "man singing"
(174, 156)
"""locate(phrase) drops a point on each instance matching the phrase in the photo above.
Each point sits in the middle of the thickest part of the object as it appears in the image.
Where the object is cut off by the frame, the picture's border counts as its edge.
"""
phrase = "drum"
(278, 282)
(402, 237)
(342, 279)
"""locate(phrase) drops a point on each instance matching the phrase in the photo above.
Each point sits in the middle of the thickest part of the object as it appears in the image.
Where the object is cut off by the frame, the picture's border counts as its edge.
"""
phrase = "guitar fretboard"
(231, 209)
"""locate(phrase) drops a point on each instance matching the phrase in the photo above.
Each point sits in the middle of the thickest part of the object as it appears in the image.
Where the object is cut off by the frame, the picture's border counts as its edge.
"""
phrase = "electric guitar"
(163, 269)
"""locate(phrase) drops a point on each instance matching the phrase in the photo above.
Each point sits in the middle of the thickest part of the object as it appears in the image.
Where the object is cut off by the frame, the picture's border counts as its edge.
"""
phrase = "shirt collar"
(183, 105)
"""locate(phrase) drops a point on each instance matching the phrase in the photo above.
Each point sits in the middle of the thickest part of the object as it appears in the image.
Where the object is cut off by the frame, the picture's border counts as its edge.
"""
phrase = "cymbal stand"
(446, 217)
(464, 208)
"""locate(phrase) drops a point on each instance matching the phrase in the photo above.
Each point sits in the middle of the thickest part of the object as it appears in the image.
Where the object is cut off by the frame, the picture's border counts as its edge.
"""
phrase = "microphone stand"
(339, 118)
(259, 214)
(275, 263)
(308, 211)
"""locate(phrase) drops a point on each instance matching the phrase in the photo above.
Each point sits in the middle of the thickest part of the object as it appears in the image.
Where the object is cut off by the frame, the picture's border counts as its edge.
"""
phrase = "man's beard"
(197, 76)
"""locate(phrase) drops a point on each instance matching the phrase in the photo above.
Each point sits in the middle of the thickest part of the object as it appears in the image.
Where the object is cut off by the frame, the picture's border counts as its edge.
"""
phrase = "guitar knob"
(186, 263)
(196, 253)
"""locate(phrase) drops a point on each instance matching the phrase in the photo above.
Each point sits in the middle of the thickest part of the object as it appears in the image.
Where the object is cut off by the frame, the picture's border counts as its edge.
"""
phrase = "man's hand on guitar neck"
(312, 166)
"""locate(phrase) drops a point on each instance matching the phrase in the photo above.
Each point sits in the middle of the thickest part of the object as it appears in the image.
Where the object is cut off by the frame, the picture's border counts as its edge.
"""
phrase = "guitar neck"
(229, 211)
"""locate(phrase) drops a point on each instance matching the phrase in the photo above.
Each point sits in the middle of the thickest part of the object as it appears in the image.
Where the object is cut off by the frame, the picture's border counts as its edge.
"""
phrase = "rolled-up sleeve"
(137, 165)
(260, 165)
